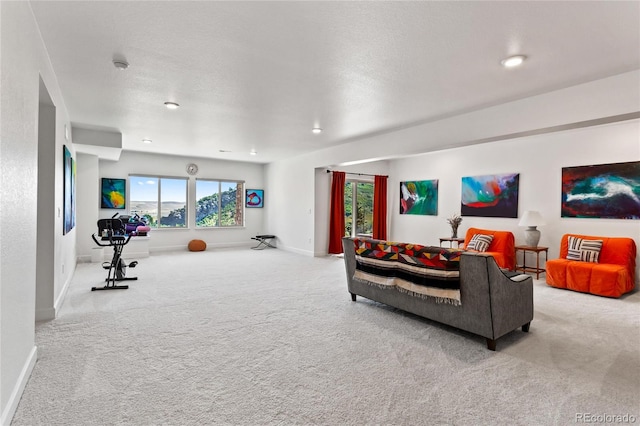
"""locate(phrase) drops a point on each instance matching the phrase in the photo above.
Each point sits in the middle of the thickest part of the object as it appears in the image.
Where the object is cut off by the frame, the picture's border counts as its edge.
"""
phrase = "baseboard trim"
(167, 249)
(228, 245)
(297, 251)
(14, 399)
(46, 314)
(61, 297)
(135, 255)
(49, 314)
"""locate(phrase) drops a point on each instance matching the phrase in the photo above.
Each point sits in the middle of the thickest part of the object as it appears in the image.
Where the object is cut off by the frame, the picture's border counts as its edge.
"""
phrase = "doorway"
(358, 208)
(45, 245)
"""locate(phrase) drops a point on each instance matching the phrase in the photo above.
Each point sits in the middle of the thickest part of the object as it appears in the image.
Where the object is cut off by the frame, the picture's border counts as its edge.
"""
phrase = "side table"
(537, 250)
(458, 241)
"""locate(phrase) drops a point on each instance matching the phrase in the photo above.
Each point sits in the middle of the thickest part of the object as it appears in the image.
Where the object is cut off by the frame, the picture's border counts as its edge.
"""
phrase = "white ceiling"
(260, 75)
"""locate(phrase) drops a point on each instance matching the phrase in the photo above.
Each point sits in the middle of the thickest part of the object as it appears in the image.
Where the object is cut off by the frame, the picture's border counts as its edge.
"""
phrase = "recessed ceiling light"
(146, 140)
(316, 130)
(171, 105)
(120, 64)
(253, 152)
(513, 61)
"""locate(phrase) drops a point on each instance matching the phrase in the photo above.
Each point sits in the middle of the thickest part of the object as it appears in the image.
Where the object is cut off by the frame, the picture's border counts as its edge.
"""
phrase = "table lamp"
(531, 219)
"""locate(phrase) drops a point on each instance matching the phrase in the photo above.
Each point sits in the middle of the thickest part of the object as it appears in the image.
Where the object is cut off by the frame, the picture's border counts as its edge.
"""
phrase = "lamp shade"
(531, 218)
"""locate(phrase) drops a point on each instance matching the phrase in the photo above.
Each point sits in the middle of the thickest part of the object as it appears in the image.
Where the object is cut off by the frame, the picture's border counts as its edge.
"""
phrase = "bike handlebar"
(112, 241)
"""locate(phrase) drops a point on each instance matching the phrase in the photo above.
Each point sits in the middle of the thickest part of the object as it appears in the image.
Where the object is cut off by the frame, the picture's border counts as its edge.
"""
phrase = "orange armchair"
(502, 247)
(612, 276)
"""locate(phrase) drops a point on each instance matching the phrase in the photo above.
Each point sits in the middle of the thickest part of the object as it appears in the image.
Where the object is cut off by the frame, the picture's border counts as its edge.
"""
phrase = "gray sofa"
(492, 303)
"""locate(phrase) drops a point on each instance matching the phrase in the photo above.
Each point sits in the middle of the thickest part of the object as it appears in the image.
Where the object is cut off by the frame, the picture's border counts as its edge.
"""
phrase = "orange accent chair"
(612, 276)
(502, 247)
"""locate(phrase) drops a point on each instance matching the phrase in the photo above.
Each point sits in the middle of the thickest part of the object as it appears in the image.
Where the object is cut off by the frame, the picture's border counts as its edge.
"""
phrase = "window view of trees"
(358, 197)
(162, 202)
(219, 203)
(174, 209)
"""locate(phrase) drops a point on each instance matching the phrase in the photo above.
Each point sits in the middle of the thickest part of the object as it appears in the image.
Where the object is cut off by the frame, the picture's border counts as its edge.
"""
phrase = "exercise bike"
(112, 234)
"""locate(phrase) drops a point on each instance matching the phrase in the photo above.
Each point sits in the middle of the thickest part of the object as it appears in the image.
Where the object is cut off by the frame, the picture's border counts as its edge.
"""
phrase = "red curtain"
(380, 208)
(336, 214)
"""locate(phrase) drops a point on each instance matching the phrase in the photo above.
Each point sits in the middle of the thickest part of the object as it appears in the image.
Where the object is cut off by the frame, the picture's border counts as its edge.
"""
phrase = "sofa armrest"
(519, 277)
(349, 258)
(511, 300)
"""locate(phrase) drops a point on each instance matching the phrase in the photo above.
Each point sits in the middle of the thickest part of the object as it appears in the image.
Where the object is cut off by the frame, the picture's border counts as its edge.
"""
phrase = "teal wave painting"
(607, 191)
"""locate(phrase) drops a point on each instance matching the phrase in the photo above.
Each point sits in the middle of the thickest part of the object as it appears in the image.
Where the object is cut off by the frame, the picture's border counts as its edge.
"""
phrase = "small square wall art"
(490, 195)
(419, 197)
(608, 191)
(254, 198)
(113, 193)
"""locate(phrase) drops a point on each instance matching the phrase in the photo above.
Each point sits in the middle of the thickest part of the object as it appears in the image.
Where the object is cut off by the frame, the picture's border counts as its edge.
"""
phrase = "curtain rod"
(359, 174)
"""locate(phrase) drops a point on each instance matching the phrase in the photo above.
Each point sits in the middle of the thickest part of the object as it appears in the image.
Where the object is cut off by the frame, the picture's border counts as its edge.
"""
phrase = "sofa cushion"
(583, 250)
(480, 242)
(556, 270)
(609, 280)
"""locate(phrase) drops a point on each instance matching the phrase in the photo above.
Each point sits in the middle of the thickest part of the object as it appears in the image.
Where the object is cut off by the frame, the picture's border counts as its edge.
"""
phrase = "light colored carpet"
(268, 337)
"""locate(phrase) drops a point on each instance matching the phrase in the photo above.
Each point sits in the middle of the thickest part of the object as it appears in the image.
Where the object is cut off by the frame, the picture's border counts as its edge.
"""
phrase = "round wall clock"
(192, 169)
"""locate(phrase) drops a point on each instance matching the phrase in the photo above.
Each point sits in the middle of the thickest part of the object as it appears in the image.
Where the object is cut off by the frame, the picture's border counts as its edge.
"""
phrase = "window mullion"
(354, 209)
(219, 222)
(159, 203)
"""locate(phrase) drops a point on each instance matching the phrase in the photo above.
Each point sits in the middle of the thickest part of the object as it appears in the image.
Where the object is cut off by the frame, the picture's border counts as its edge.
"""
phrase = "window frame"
(239, 199)
(159, 198)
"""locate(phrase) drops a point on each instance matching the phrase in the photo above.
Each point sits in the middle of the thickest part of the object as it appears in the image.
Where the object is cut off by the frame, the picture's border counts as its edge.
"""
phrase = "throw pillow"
(583, 250)
(479, 242)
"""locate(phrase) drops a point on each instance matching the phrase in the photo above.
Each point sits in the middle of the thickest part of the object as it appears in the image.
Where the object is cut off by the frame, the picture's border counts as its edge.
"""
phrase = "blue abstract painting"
(490, 195)
(610, 191)
(69, 184)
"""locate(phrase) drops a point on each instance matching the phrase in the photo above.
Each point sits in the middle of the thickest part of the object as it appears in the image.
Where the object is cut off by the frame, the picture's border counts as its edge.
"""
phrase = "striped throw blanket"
(421, 271)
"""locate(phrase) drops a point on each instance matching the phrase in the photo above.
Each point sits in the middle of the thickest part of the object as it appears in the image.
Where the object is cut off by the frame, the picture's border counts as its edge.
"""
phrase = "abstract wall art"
(113, 193)
(69, 186)
(610, 191)
(254, 198)
(419, 197)
(490, 195)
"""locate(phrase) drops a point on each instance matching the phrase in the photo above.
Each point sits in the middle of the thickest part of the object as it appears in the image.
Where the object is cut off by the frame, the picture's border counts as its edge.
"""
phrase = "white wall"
(24, 62)
(585, 104)
(45, 258)
(539, 161)
(88, 196)
(138, 163)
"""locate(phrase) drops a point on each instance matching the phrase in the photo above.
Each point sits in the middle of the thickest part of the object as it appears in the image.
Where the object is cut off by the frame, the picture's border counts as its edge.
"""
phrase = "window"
(219, 203)
(358, 198)
(161, 201)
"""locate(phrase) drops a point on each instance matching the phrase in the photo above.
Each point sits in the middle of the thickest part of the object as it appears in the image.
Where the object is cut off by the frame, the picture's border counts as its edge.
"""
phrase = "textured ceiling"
(260, 75)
